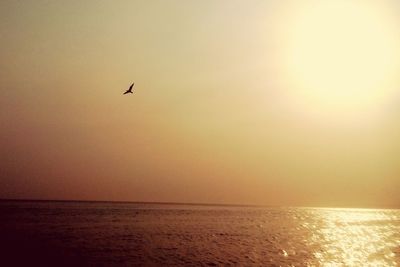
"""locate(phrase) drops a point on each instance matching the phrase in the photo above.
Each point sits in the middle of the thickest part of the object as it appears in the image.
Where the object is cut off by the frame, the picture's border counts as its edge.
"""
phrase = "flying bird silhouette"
(130, 89)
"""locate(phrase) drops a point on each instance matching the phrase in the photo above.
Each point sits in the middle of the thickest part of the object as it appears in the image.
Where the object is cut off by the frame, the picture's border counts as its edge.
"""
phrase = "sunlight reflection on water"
(356, 237)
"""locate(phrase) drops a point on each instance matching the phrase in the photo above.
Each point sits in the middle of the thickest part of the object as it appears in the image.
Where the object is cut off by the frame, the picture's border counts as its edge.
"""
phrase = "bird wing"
(130, 88)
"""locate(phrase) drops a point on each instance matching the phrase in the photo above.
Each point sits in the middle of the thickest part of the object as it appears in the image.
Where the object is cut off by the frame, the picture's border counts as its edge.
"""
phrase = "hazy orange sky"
(247, 102)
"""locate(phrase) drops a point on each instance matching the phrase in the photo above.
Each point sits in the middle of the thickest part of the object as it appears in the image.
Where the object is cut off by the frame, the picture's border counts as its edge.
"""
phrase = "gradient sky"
(229, 104)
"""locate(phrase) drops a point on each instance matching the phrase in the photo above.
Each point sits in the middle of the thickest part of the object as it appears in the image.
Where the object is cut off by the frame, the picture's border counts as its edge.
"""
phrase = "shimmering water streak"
(356, 237)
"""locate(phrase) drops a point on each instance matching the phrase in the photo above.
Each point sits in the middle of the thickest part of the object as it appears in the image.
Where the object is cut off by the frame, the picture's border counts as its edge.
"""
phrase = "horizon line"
(190, 203)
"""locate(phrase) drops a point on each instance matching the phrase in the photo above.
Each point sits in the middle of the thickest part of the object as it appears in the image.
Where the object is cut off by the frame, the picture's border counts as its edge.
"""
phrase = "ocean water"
(130, 234)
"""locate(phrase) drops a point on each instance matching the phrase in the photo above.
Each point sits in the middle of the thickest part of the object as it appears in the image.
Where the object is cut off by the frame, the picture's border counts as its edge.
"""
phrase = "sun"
(342, 56)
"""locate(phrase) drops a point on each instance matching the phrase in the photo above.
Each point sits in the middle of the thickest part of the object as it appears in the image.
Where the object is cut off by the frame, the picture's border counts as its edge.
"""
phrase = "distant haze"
(234, 101)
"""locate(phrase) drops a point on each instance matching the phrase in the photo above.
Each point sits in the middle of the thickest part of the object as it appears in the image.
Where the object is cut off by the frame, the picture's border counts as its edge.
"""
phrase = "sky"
(293, 103)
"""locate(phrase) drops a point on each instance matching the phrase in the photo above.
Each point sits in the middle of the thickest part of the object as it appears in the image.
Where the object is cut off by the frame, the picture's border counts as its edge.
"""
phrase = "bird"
(130, 89)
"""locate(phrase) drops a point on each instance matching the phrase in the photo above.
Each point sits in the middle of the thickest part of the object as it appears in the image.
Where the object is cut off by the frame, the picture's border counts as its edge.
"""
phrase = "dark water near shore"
(129, 234)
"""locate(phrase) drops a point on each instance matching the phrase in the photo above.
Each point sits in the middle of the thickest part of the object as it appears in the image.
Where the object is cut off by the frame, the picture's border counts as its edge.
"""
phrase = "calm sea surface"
(128, 234)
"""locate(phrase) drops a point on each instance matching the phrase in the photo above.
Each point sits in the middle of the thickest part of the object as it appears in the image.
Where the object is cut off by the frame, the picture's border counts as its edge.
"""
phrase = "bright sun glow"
(342, 56)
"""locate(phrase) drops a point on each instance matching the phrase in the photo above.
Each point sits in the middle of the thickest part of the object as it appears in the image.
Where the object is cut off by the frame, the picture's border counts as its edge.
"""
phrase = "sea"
(62, 233)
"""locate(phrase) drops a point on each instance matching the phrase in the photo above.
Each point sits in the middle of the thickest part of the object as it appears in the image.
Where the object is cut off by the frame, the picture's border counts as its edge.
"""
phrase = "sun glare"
(342, 55)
